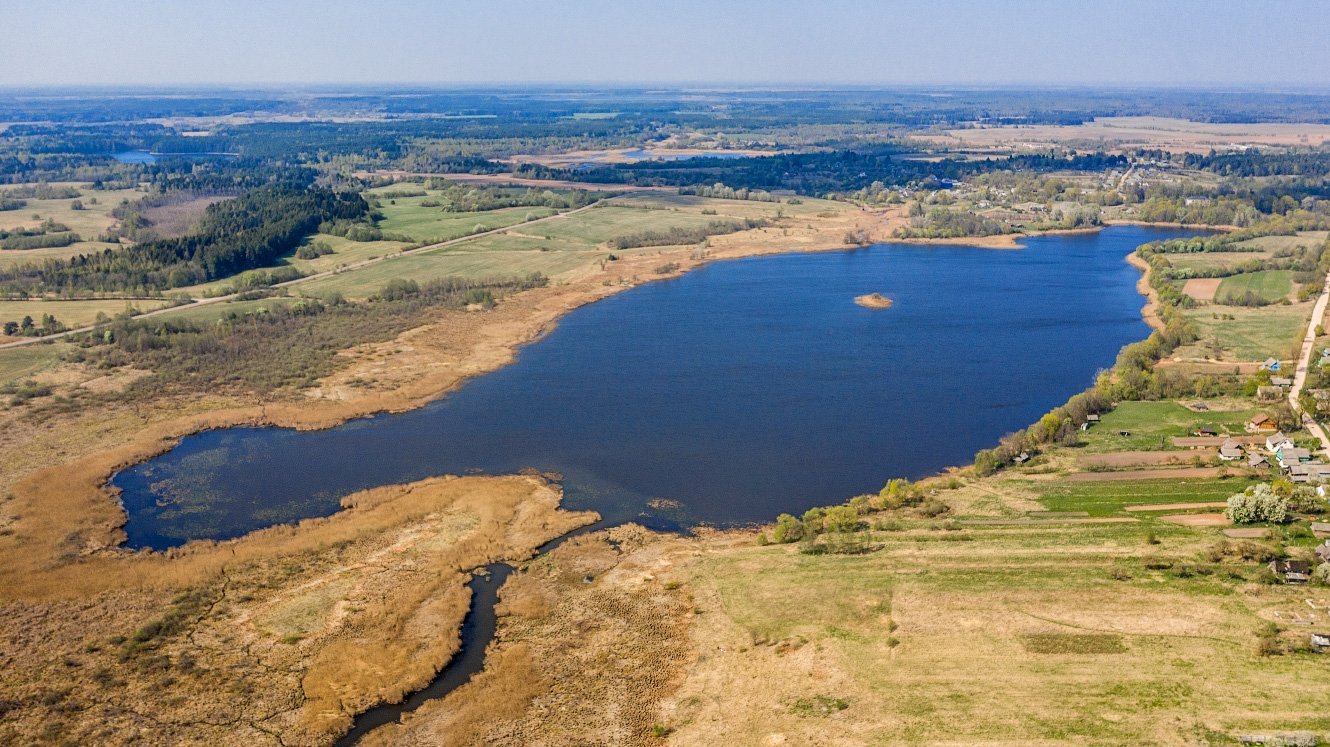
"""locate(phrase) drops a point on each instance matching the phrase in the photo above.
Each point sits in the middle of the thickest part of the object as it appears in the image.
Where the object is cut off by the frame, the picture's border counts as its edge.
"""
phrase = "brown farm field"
(1125, 133)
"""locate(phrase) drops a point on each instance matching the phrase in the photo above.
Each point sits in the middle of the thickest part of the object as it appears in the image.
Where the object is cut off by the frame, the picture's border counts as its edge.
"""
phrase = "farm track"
(1304, 362)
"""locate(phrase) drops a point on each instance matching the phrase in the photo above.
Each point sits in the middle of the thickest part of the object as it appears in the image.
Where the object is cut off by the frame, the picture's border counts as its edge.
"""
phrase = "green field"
(1273, 244)
(1108, 497)
(22, 362)
(72, 313)
(434, 224)
(1270, 285)
(1254, 334)
(1153, 424)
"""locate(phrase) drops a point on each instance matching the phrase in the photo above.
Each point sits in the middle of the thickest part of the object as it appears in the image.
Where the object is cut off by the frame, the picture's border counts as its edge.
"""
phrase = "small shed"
(1257, 461)
(1281, 381)
(1291, 571)
(1206, 430)
(1320, 641)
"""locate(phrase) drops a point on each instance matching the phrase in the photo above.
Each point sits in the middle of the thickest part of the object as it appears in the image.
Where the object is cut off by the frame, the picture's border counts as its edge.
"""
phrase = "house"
(1269, 393)
(1287, 456)
(1269, 364)
(1320, 641)
(1257, 461)
(1261, 423)
(1206, 431)
(1281, 381)
(1291, 571)
(1309, 472)
(1275, 442)
(1230, 450)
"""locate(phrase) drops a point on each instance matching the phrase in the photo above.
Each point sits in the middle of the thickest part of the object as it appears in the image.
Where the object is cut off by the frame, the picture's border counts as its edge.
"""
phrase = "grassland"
(405, 216)
(94, 219)
(1268, 285)
(1252, 334)
(1019, 636)
(21, 363)
(73, 313)
(1109, 497)
(1152, 425)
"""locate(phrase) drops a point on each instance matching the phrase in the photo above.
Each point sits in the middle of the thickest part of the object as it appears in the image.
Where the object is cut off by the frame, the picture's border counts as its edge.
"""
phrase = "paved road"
(1304, 363)
(307, 278)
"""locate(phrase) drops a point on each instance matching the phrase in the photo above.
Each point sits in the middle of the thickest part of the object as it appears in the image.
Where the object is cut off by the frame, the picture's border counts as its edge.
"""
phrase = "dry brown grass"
(324, 619)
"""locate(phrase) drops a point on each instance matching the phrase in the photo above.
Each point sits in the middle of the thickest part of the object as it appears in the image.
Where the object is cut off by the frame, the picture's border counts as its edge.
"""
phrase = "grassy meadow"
(1269, 285)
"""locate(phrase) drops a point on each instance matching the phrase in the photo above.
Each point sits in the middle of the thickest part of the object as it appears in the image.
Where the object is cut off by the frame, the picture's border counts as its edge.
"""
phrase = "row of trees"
(679, 235)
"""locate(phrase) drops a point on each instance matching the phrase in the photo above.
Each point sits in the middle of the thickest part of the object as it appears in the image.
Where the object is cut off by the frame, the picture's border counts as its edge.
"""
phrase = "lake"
(739, 391)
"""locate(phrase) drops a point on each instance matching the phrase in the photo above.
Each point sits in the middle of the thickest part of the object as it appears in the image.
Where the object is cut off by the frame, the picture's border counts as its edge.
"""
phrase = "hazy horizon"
(681, 43)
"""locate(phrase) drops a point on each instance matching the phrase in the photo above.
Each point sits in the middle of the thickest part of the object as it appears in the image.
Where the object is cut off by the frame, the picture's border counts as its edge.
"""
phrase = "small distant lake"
(741, 390)
(640, 154)
(146, 157)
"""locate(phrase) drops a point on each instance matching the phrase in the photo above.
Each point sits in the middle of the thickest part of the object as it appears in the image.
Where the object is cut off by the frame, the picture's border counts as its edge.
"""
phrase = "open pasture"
(1151, 426)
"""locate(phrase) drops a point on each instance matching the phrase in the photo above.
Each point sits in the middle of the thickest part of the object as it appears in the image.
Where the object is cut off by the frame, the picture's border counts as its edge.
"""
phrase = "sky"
(1276, 43)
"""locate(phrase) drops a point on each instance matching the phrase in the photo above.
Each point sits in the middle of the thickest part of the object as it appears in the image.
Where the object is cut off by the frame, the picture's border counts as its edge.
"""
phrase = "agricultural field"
(29, 360)
(73, 313)
(427, 225)
(1152, 425)
(1253, 334)
(1271, 244)
(1083, 634)
(1109, 497)
(1269, 285)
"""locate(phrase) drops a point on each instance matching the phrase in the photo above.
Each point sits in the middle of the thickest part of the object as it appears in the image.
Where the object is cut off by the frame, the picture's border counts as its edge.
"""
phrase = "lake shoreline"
(82, 486)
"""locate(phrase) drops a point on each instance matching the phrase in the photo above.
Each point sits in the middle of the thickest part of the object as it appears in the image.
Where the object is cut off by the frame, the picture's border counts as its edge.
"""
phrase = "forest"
(250, 231)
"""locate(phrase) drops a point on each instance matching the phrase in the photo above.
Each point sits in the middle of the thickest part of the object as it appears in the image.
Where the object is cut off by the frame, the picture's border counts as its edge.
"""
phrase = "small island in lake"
(873, 301)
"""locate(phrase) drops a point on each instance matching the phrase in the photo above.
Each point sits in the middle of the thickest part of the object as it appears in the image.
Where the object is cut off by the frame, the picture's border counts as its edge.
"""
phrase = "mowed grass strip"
(1111, 498)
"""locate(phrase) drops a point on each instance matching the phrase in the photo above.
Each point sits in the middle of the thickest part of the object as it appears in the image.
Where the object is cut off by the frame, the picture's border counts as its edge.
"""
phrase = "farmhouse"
(1090, 420)
(1230, 450)
(1261, 423)
(1270, 364)
(1291, 455)
(1256, 461)
(1314, 472)
(1269, 393)
(1276, 441)
(1206, 430)
(1291, 571)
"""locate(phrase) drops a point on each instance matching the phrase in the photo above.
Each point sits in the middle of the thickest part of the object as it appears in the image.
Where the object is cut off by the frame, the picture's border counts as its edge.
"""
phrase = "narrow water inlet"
(478, 629)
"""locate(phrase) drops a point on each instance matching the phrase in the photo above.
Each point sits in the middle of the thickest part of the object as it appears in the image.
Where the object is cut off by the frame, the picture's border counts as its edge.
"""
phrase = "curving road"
(1304, 363)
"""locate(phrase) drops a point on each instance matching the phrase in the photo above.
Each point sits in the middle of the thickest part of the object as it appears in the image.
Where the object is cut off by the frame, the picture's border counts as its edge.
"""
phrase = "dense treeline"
(289, 343)
(236, 235)
(813, 173)
(679, 235)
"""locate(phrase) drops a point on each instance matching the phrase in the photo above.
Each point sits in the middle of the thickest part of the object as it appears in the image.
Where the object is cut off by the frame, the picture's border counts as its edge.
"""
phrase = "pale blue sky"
(1225, 42)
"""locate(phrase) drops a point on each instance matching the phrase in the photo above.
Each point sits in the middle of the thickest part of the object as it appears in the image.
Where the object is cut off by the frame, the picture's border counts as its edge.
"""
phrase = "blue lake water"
(741, 390)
